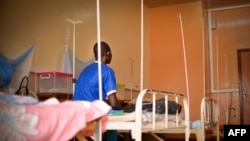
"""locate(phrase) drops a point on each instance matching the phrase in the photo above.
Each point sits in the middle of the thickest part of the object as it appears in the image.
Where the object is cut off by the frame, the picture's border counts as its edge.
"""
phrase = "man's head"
(106, 55)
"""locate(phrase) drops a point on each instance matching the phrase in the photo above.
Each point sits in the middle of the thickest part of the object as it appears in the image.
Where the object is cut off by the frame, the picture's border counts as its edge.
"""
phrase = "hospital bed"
(208, 123)
(138, 122)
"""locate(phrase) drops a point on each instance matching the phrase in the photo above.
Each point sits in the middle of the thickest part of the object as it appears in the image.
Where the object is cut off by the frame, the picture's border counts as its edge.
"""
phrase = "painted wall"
(44, 22)
(231, 32)
(167, 47)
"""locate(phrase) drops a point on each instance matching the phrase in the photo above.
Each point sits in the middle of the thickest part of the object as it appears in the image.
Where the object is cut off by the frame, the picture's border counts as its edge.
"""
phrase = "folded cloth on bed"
(50, 120)
(116, 112)
(122, 118)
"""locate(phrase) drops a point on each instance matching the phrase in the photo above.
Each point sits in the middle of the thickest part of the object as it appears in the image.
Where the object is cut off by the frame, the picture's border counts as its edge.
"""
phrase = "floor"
(165, 137)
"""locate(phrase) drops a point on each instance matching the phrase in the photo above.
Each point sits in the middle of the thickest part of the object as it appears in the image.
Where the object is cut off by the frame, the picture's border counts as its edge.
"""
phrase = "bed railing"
(209, 116)
(166, 95)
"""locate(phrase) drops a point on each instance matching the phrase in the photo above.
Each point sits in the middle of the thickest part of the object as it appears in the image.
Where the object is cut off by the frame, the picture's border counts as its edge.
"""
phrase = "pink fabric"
(53, 121)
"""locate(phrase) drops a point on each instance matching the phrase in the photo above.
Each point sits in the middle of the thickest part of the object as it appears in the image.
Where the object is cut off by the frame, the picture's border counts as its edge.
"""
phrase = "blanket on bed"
(49, 120)
(173, 107)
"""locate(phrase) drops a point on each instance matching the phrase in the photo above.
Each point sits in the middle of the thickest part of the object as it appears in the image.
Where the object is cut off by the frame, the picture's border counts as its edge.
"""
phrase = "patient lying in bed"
(24, 118)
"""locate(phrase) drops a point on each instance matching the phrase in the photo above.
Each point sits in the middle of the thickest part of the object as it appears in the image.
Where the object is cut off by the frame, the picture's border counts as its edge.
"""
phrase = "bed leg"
(132, 134)
(217, 132)
(198, 135)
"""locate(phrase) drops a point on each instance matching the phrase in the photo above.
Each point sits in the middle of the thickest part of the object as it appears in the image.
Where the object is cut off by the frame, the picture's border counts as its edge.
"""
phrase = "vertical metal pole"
(98, 128)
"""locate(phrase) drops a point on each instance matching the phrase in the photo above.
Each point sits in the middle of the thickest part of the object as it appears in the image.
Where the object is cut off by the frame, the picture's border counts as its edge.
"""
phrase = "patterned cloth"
(50, 120)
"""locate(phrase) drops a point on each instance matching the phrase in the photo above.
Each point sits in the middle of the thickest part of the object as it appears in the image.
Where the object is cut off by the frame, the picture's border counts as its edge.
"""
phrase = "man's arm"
(113, 102)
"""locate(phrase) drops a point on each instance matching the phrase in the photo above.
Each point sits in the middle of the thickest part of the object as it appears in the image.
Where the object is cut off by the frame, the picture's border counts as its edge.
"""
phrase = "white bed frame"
(136, 127)
(209, 118)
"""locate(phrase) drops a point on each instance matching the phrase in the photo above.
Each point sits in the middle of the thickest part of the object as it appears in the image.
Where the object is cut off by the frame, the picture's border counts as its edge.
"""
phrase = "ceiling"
(210, 3)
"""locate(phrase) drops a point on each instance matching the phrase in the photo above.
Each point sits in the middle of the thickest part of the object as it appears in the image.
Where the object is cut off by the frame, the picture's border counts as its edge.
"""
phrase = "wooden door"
(243, 56)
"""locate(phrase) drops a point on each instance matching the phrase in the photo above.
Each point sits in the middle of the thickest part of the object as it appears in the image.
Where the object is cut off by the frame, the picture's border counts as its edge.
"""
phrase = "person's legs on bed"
(111, 135)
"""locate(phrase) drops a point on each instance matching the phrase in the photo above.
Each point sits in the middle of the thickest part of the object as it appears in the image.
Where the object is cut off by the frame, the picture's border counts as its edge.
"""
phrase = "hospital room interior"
(198, 48)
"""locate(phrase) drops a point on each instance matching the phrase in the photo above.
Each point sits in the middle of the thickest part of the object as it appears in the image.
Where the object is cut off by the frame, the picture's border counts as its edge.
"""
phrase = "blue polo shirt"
(87, 84)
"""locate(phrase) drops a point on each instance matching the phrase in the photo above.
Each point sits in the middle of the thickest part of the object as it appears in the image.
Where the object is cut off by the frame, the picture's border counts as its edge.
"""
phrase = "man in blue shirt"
(87, 85)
